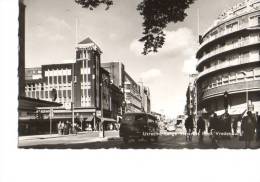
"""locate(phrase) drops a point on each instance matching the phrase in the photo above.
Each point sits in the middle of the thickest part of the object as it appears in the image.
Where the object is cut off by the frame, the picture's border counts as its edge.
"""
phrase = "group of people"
(65, 128)
(222, 126)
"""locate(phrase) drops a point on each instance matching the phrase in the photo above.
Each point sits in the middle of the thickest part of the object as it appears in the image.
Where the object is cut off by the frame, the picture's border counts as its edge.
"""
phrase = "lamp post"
(101, 107)
(72, 96)
(103, 82)
(245, 74)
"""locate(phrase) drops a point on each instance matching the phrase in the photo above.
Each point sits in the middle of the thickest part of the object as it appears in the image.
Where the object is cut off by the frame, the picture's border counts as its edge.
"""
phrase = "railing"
(229, 64)
(231, 88)
(226, 32)
(221, 50)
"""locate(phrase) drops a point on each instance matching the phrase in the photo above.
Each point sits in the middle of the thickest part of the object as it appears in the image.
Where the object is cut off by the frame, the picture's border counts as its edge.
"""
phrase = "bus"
(139, 126)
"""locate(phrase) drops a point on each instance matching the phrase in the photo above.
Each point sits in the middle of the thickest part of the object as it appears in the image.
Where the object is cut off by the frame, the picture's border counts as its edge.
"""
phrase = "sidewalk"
(90, 134)
(56, 139)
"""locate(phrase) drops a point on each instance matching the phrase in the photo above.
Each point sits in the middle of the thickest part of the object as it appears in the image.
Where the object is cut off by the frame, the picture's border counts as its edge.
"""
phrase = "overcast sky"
(51, 37)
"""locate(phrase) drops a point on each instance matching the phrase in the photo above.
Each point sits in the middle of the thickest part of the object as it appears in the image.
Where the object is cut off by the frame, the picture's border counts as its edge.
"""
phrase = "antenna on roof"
(198, 23)
(76, 31)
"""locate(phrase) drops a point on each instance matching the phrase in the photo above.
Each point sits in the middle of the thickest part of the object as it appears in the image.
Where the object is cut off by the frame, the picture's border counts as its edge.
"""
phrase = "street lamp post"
(101, 107)
(245, 74)
(72, 96)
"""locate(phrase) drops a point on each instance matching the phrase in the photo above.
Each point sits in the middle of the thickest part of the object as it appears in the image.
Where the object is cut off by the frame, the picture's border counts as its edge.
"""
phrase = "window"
(59, 93)
(64, 94)
(69, 93)
(46, 94)
(69, 79)
(225, 79)
(41, 94)
(33, 94)
(59, 79)
(257, 72)
(55, 79)
(64, 79)
(37, 94)
(50, 80)
(240, 76)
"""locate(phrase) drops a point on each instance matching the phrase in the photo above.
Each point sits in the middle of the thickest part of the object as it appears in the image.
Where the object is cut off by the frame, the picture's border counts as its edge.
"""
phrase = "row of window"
(235, 25)
(82, 54)
(238, 9)
(61, 72)
(231, 78)
(47, 94)
(232, 44)
(39, 87)
(244, 57)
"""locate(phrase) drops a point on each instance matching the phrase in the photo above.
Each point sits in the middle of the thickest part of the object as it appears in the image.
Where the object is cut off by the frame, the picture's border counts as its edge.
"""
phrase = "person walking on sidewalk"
(63, 128)
(189, 127)
(214, 128)
(200, 127)
(226, 119)
(59, 128)
(257, 127)
(248, 127)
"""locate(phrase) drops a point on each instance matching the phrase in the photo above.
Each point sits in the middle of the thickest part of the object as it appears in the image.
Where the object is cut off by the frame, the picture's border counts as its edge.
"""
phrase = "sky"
(50, 37)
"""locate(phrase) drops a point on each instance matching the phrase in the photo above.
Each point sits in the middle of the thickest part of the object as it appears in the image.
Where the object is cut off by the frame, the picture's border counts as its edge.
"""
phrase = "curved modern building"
(229, 60)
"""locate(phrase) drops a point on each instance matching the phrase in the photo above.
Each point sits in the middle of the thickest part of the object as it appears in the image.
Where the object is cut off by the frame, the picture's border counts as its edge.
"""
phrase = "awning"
(108, 119)
(232, 111)
(31, 104)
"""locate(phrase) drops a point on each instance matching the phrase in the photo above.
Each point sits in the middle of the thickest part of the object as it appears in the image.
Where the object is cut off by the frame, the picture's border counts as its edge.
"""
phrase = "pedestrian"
(257, 127)
(214, 128)
(248, 127)
(189, 127)
(200, 127)
(226, 124)
(63, 128)
(59, 128)
(66, 128)
(234, 126)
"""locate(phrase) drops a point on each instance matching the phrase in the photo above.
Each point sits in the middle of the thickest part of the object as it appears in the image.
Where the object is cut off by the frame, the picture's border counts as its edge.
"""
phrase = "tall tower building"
(228, 60)
(87, 72)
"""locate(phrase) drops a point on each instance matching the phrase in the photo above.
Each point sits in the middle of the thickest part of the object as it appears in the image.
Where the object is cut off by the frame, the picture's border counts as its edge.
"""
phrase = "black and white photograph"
(129, 90)
(101, 74)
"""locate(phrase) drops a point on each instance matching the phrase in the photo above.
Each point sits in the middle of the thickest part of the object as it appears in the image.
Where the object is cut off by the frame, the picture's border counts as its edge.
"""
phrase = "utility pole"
(72, 76)
(72, 96)
(51, 115)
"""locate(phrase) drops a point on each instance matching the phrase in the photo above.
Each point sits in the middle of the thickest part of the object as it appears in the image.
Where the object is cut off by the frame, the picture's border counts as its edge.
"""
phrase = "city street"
(169, 141)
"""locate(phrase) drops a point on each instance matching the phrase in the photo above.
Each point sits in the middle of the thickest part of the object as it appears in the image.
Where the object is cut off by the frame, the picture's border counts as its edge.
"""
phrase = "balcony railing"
(230, 88)
(226, 32)
(229, 64)
(251, 41)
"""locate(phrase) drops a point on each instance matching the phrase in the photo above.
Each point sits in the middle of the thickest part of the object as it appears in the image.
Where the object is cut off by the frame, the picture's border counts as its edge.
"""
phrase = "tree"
(157, 14)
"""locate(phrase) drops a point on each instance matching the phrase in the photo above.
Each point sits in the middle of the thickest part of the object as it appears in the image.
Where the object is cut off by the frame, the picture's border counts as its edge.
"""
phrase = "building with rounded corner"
(229, 61)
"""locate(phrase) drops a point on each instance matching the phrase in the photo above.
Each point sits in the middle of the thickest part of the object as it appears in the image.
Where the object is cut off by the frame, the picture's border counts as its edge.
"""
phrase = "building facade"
(117, 73)
(75, 85)
(228, 60)
(117, 78)
(145, 95)
(21, 34)
(133, 99)
(136, 97)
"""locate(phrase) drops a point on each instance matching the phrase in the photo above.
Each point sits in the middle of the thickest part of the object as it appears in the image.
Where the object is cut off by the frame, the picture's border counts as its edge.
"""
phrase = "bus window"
(128, 119)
